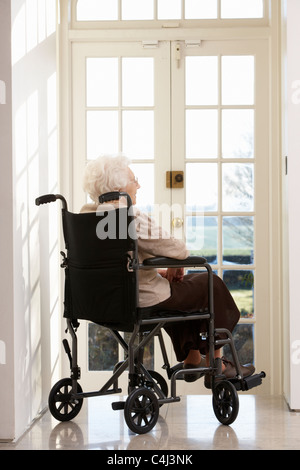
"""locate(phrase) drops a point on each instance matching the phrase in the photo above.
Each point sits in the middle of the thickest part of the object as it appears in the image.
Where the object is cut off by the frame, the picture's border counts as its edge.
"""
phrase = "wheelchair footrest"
(118, 405)
(249, 382)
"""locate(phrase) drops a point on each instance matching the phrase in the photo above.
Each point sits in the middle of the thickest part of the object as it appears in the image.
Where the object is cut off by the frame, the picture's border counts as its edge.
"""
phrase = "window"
(164, 10)
(241, 9)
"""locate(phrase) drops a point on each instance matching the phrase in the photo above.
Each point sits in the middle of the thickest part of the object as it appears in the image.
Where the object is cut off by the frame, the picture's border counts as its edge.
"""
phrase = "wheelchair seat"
(101, 268)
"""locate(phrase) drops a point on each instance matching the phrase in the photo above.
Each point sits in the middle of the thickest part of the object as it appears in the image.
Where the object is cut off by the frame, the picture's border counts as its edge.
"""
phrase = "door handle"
(177, 222)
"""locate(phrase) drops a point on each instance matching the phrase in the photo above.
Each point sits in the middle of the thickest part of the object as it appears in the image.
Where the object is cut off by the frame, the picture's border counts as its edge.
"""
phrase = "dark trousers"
(191, 295)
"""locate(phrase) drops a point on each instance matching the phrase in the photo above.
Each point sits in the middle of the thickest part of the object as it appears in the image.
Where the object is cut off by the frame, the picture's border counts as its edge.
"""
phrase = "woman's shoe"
(196, 375)
(192, 377)
(230, 372)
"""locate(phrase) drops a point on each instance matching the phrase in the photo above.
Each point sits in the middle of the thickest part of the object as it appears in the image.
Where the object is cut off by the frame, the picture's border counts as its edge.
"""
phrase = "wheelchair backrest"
(101, 267)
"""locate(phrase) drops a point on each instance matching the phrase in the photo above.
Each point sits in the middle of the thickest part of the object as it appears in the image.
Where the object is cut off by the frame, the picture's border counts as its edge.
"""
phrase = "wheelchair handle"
(112, 196)
(47, 198)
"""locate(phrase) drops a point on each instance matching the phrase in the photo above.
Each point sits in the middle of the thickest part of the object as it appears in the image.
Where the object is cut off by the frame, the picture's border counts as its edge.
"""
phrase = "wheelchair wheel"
(157, 379)
(160, 381)
(62, 405)
(141, 410)
(225, 402)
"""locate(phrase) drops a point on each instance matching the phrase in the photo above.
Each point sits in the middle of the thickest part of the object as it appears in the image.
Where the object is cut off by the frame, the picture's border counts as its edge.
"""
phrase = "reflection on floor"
(262, 423)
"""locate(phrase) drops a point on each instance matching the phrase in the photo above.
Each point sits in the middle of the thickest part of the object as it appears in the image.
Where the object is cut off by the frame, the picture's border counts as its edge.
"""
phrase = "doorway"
(198, 109)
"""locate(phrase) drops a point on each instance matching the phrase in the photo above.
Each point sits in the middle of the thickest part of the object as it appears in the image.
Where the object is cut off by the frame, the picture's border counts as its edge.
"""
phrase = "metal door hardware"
(177, 222)
(174, 179)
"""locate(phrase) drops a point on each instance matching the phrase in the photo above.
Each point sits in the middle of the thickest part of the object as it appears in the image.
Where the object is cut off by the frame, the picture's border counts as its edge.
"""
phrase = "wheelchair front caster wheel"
(62, 405)
(141, 410)
(225, 402)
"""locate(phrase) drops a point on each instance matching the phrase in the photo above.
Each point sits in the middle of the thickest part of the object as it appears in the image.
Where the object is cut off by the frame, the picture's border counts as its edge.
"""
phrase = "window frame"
(169, 24)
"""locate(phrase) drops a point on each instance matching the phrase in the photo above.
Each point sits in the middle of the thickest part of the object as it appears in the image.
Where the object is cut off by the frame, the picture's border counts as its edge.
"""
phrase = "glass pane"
(242, 9)
(238, 187)
(243, 337)
(138, 81)
(138, 134)
(102, 82)
(241, 286)
(97, 10)
(202, 187)
(144, 172)
(169, 9)
(238, 240)
(238, 133)
(201, 80)
(201, 9)
(102, 348)
(201, 133)
(202, 237)
(102, 133)
(238, 80)
(137, 10)
(194, 234)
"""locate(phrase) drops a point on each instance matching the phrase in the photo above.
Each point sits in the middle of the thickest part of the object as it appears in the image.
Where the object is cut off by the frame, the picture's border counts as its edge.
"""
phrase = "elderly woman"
(166, 289)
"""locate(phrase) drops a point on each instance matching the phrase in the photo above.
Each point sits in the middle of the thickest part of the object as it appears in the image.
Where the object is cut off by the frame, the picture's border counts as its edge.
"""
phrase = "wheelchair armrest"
(162, 262)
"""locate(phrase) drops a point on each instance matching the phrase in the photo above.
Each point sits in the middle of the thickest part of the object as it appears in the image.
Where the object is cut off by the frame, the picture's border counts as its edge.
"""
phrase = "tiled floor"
(262, 423)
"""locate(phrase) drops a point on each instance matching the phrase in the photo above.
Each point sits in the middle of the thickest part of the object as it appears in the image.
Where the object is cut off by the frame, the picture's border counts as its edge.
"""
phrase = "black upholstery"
(99, 287)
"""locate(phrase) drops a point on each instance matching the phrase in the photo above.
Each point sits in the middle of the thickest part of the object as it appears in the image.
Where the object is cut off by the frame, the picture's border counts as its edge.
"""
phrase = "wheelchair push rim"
(62, 405)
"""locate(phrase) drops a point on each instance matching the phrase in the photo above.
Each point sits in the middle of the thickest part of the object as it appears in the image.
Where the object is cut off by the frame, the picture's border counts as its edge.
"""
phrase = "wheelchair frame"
(148, 390)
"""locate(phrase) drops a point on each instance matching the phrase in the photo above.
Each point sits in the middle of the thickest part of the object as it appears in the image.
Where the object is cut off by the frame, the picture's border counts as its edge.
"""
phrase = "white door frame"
(228, 31)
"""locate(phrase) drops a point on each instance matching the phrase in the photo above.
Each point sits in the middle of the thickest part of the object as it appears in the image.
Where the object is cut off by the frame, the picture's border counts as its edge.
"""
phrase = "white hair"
(104, 174)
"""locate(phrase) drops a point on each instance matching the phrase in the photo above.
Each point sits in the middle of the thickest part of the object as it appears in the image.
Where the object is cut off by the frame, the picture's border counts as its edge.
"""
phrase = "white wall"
(293, 151)
(6, 232)
(28, 170)
(285, 218)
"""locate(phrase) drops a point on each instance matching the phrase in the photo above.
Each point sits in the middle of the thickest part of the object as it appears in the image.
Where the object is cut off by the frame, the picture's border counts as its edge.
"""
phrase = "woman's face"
(132, 186)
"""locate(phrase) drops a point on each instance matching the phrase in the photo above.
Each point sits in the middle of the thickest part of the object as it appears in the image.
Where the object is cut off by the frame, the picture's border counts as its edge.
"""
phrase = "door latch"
(174, 179)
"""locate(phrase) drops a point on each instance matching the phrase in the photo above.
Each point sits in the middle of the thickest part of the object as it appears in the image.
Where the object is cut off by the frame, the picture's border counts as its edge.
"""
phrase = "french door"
(199, 110)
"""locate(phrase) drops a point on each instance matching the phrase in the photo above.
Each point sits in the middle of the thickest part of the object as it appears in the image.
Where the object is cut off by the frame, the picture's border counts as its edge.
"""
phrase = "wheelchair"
(101, 286)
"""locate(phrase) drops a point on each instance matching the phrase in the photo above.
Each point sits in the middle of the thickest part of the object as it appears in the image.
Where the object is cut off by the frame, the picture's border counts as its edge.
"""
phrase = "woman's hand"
(172, 274)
